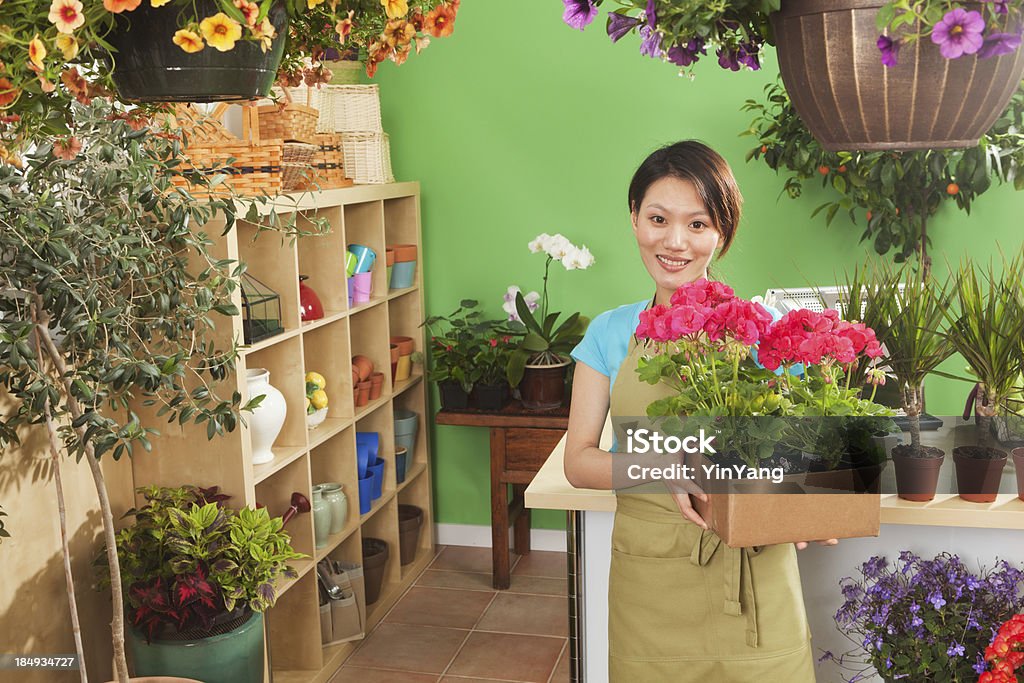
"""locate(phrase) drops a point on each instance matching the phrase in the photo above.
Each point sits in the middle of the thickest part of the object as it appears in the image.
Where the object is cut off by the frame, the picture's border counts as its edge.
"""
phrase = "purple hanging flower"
(650, 44)
(579, 13)
(652, 16)
(890, 50)
(1000, 6)
(747, 56)
(685, 55)
(620, 24)
(999, 44)
(727, 59)
(959, 33)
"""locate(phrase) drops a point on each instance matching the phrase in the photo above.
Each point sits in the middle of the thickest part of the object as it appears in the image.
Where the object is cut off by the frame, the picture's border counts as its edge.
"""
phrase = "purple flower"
(685, 55)
(620, 24)
(959, 33)
(955, 649)
(1000, 6)
(999, 44)
(652, 16)
(890, 50)
(937, 600)
(579, 13)
(980, 665)
(743, 55)
(650, 44)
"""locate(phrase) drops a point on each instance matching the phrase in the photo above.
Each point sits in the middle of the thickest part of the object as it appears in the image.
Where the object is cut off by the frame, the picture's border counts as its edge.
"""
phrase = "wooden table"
(521, 441)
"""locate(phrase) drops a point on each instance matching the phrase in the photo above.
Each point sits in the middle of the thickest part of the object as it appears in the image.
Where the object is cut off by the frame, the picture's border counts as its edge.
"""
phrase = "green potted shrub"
(491, 390)
(454, 343)
(199, 577)
(986, 330)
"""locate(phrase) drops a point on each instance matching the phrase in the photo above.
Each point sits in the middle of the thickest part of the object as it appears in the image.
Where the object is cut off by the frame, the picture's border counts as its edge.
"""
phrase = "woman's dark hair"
(706, 169)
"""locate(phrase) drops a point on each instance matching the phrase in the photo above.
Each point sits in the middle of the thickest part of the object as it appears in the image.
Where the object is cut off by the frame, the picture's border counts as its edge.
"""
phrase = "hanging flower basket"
(150, 67)
(830, 64)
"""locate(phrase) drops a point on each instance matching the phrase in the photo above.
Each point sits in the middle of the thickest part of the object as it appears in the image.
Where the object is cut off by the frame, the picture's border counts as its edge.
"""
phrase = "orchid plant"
(541, 342)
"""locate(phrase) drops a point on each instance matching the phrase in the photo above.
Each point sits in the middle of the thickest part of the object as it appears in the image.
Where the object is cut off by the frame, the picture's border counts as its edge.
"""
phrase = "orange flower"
(398, 33)
(118, 6)
(344, 27)
(310, 4)
(417, 19)
(377, 52)
(36, 51)
(221, 31)
(264, 33)
(250, 10)
(440, 21)
(422, 43)
(67, 149)
(66, 15)
(395, 9)
(189, 41)
(401, 54)
(8, 93)
(76, 85)
(68, 45)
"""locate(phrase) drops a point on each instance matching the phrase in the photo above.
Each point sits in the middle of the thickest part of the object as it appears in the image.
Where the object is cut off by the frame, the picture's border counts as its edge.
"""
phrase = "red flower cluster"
(803, 336)
(708, 307)
(1006, 653)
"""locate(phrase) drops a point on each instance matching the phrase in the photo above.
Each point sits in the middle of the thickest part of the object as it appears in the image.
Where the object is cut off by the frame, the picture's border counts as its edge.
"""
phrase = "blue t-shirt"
(606, 342)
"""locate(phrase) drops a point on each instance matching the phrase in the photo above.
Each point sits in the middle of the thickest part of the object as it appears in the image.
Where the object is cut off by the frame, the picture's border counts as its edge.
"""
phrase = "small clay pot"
(389, 257)
(363, 397)
(917, 478)
(406, 345)
(355, 375)
(394, 352)
(978, 471)
(404, 252)
(376, 383)
(364, 365)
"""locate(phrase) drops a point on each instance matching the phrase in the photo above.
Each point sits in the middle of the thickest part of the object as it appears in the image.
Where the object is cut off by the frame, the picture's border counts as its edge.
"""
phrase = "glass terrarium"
(261, 310)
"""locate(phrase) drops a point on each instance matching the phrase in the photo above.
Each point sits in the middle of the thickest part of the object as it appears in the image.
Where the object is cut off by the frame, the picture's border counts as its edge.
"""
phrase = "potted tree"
(199, 576)
(986, 332)
(454, 343)
(908, 320)
(540, 361)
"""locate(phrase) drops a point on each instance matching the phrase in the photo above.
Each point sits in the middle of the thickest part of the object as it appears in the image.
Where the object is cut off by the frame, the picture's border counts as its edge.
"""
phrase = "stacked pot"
(403, 270)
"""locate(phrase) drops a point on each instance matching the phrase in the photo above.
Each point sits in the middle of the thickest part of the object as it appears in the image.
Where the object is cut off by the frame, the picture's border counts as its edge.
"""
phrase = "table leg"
(499, 512)
(522, 523)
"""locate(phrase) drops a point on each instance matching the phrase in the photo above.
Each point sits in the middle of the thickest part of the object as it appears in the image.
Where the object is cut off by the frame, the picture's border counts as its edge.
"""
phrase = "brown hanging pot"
(849, 100)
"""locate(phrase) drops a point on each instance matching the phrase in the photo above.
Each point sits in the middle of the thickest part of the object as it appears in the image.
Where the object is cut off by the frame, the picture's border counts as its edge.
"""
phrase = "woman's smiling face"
(675, 234)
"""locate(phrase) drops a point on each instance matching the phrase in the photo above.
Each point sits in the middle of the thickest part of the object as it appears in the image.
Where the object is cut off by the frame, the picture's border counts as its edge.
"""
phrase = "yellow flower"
(68, 45)
(189, 41)
(310, 4)
(264, 33)
(66, 15)
(158, 3)
(395, 9)
(118, 6)
(221, 31)
(36, 51)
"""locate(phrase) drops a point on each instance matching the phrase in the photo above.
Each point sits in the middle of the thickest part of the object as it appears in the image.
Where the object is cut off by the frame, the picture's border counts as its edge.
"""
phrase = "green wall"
(518, 124)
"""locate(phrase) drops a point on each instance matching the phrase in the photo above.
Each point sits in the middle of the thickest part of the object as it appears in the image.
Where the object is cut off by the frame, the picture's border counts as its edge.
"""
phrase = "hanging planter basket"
(834, 74)
(149, 67)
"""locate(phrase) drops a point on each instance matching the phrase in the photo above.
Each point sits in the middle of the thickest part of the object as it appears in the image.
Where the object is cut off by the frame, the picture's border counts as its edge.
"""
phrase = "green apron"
(682, 605)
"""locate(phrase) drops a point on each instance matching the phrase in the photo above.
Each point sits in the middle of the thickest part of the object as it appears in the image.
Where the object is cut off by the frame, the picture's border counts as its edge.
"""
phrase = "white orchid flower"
(559, 247)
(509, 306)
(539, 243)
(579, 258)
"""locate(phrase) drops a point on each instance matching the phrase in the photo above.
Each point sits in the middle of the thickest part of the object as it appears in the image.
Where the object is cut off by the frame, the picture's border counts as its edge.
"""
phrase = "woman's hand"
(681, 492)
(800, 545)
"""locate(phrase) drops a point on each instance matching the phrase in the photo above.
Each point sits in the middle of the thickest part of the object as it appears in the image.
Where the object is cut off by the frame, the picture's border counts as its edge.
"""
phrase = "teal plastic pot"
(402, 274)
(232, 657)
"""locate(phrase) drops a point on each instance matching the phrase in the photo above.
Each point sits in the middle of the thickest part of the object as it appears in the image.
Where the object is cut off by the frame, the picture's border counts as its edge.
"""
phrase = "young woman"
(683, 606)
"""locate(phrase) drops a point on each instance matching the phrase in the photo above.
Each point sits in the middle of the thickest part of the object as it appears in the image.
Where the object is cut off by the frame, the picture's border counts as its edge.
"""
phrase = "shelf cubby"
(335, 461)
(275, 493)
(384, 525)
(272, 259)
(322, 259)
(292, 634)
(326, 350)
(368, 330)
(287, 375)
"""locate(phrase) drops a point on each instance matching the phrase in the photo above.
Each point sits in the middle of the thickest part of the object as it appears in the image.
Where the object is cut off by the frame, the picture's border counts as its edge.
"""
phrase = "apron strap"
(738, 577)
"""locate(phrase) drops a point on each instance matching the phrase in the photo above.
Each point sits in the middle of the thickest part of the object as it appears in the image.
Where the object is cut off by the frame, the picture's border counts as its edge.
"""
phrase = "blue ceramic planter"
(365, 493)
(377, 469)
(402, 274)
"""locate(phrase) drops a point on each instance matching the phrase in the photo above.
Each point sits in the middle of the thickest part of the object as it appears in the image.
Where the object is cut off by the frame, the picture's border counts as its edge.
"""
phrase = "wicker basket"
(367, 157)
(349, 108)
(288, 122)
(298, 165)
(255, 165)
(330, 162)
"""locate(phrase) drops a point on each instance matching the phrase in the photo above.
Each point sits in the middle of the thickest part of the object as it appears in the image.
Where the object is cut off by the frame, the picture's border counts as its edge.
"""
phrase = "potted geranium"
(924, 620)
(540, 361)
(985, 330)
(851, 95)
(454, 342)
(199, 576)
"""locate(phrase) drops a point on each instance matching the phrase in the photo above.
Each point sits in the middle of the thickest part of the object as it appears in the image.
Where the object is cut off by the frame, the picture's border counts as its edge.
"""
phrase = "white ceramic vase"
(267, 419)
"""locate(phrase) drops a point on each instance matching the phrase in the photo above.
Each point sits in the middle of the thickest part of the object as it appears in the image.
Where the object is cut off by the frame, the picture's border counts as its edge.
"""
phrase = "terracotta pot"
(355, 375)
(543, 386)
(978, 471)
(406, 345)
(363, 397)
(364, 365)
(376, 383)
(389, 257)
(917, 478)
(850, 101)
(1018, 465)
(404, 252)
(394, 352)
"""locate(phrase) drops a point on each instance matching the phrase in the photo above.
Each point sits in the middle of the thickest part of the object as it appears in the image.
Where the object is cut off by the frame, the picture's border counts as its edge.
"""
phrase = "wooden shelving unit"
(374, 216)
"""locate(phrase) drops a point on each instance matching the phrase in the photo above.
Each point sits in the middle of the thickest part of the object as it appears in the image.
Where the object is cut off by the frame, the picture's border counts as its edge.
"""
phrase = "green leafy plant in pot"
(907, 310)
(491, 390)
(540, 360)
(454, 343)
(986, 332)
(199, 577)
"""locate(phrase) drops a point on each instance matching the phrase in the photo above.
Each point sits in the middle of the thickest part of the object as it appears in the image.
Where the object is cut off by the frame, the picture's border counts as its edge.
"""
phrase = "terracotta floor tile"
(466, 559)
(443, 578)
(467, 679)
(542, 563)
(426, 649)
(440, 607)
(538, 585)
(513, 657)
(541, 615)
(358, 674)
(561, 673)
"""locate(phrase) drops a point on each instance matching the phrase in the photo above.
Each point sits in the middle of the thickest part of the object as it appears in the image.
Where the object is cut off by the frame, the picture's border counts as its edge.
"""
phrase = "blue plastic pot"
(365, 493)
(377, 469)
(364, 257)
(401, 464)
(367, 446)
(402, 274)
